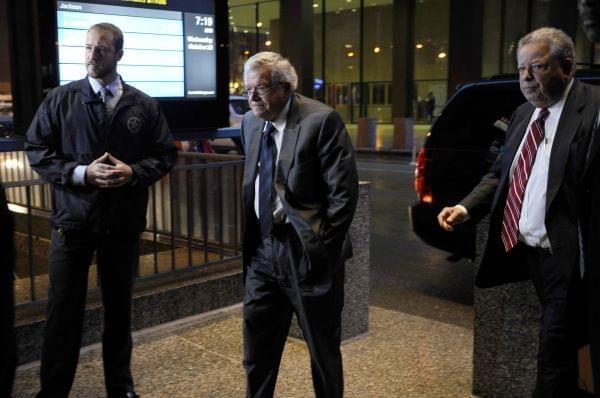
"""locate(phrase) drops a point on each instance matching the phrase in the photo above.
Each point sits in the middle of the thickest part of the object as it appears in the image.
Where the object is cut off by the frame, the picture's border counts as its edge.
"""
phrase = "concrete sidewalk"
(402, 356)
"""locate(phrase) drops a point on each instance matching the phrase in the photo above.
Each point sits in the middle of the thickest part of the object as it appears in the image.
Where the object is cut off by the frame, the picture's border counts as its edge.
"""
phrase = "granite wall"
(505, 335)
(355, 316)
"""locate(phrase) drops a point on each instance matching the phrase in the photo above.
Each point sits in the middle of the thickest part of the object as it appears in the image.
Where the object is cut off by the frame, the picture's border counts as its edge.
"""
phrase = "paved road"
(406, 274)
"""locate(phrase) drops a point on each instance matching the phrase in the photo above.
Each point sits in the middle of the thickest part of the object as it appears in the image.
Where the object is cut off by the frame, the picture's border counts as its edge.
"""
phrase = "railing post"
(30, 243)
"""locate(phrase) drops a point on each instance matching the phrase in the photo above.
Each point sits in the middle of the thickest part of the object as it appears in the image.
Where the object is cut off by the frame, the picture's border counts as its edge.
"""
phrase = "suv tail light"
(423, 175)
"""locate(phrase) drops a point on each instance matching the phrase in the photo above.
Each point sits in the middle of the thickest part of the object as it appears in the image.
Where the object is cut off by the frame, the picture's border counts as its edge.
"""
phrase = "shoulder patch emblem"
(134, 124)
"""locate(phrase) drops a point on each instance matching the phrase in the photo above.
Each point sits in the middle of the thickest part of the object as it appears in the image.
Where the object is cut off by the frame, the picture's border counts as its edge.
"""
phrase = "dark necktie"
(518, 182)
(265, 198)
(106, 95)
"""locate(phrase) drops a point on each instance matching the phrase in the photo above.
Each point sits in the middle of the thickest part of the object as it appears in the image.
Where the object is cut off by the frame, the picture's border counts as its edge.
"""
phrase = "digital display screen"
(169, 45)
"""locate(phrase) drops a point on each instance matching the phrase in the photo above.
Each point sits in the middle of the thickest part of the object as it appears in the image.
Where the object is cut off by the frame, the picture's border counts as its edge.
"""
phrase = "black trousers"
(8, 344)
(70, 258)
(561, 297)
(274, 290)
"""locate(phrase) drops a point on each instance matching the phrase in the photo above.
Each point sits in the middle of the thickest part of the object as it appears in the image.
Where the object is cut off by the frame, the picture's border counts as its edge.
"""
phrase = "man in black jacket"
(8, 353)
(100, 143)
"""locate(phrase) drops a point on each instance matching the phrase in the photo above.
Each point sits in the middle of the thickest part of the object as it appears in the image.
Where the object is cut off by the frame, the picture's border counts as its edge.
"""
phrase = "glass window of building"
(267, 26)
(253, 27)
(377, 58)
(432, 26)
(342, 57)
(540, 14)
(492, 31)
(515, 27)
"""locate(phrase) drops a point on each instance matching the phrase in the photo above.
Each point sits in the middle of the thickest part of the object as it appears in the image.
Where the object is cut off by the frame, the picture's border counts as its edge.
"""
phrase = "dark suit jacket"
(563, 196)
(316, 180)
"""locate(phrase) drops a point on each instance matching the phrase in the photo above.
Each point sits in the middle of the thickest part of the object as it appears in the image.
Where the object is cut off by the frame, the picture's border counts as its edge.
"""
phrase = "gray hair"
(282, 71)
(561, 45)
(114, 30)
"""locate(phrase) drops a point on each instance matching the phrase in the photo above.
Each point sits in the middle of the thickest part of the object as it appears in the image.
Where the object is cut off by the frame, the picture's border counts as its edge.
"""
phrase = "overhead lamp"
(442, 55)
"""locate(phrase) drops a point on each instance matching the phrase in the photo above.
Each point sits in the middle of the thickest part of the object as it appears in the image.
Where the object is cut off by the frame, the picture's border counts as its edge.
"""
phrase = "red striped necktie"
(518, 182)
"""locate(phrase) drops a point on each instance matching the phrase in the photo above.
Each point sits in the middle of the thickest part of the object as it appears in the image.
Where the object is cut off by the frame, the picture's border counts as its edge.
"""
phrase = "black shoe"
(131, 394)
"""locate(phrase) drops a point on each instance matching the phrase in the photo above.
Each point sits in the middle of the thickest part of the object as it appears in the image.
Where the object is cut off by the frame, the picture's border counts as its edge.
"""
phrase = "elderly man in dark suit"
(8, 353)
(300, 191)
(533, 191)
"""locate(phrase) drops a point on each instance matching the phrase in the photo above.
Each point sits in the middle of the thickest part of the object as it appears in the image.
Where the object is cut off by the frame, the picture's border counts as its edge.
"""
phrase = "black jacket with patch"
(71, 128)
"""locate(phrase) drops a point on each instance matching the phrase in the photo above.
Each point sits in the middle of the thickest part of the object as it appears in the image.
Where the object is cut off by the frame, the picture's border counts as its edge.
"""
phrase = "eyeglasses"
(536, 68)
(260, 90)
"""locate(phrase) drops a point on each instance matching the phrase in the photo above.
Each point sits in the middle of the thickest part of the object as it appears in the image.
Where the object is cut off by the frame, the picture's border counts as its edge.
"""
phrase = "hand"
(108, 172)
(120, 174)
(97, 172)
(451, 216)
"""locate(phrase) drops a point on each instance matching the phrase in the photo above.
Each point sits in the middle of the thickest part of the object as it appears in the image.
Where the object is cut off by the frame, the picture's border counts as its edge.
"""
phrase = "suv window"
(240, 106)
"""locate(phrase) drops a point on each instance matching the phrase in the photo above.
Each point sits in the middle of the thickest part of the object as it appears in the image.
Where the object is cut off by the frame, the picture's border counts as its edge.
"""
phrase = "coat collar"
(89, 95)
(290, 137)
(288, 144)
(568, 126)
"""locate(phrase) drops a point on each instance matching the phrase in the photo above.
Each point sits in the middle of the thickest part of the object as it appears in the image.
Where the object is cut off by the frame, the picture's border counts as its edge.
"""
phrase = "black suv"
(460, 148)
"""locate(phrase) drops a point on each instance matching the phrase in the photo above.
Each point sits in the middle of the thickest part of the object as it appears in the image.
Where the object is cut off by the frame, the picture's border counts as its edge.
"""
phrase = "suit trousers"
(560, 295)
(70, 257)
(8, 352)
(274, 290)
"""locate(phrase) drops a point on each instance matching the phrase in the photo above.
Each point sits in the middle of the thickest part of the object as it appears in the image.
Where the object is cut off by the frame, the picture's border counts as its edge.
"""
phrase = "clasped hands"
(108, 172)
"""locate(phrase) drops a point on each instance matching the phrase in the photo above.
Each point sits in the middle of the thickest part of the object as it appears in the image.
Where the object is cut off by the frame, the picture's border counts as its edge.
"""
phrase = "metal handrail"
(194, 221)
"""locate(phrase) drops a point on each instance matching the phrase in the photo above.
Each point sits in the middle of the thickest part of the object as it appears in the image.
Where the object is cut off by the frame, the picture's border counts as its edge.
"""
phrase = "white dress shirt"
(532, 228)
(279, 123)
(116, 89)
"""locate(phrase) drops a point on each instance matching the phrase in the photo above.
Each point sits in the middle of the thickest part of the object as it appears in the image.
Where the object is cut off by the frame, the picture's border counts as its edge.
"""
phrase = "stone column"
(505, 335)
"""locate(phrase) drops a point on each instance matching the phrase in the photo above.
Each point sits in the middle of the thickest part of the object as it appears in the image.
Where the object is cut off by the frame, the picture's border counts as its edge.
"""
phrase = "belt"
(540, 251)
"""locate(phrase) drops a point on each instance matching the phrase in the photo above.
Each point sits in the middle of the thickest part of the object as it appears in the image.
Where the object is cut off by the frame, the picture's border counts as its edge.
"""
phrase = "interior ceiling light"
(315, 5)
(419, 46)
(268, 43)
(259, 24)
(350, 54)
(348, 45)
(442, 55)
(377, 50)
